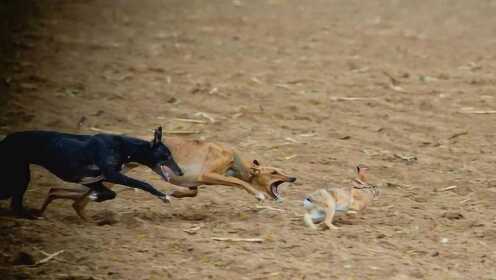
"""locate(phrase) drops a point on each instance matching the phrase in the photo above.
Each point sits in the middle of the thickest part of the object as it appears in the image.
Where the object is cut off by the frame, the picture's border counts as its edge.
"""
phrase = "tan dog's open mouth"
(274, 188)
(164, 172)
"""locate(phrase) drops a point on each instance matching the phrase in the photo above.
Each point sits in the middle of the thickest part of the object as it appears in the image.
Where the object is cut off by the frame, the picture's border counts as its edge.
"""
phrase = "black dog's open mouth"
(274, 189)
(164, 172)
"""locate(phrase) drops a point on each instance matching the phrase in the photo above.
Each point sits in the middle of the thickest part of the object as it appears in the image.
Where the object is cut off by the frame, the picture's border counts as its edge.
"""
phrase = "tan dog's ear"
(254, 170)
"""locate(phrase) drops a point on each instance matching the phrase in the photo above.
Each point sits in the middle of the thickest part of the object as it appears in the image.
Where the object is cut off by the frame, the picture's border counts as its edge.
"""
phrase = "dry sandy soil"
(313, 87)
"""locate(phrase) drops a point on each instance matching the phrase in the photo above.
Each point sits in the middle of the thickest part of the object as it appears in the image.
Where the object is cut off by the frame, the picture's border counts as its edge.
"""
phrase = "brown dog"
(203, 163)
(323, 204)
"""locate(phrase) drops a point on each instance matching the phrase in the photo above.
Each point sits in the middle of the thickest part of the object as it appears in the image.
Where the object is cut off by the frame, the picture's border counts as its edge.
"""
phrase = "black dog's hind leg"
(19, 181)
(99, 192)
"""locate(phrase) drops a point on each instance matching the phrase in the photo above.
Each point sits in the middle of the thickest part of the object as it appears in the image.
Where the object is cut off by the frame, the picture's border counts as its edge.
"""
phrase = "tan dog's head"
(268, 179)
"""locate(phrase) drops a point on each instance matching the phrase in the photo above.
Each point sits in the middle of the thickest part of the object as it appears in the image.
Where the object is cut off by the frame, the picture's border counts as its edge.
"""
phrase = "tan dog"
(323, 204)
(203, 163)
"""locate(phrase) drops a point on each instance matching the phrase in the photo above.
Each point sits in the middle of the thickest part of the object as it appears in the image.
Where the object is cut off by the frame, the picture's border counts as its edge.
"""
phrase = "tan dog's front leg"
(190, 192)
(216, 179)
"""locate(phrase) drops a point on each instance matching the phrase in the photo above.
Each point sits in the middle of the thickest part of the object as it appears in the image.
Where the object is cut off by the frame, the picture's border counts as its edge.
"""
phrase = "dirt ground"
(313, 87)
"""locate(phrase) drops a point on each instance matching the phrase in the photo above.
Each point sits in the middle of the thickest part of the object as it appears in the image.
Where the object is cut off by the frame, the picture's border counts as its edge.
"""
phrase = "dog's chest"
(190, 176)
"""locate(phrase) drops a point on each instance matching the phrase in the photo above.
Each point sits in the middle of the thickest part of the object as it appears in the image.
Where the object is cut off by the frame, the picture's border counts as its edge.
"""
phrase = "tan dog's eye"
(255, 171)
(273, 172)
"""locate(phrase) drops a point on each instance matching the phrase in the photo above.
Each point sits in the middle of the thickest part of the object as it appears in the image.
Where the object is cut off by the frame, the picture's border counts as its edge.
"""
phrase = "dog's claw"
(260, 196)
(329, 226)
(30, 214)
(93, 196)
(165, 198)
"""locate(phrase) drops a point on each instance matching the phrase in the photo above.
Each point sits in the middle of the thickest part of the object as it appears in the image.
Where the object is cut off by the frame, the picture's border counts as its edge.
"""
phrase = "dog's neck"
(241, 169)
(132, 150)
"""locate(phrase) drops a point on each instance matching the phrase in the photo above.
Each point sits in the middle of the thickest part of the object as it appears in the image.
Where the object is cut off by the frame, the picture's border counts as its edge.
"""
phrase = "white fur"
(317, 216)
(93, 196)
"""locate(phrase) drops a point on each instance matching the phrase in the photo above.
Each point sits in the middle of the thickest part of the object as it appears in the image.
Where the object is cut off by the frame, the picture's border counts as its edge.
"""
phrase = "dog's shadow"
(6, 212)
(343, 222)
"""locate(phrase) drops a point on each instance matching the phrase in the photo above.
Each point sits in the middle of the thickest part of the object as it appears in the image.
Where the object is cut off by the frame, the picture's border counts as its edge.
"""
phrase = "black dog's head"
(161, 160)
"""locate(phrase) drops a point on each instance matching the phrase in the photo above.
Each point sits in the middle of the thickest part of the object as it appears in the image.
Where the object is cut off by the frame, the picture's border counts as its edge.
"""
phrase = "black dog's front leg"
(110, 163)
(118, 178)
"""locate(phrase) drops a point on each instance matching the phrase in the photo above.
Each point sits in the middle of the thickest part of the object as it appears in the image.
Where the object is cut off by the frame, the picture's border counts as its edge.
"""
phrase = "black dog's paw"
(101, 196)
(165, 198)
(93, 196)
(30, 214)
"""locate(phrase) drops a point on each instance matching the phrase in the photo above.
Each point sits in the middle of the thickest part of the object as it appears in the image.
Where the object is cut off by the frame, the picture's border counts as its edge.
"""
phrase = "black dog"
(88, 160)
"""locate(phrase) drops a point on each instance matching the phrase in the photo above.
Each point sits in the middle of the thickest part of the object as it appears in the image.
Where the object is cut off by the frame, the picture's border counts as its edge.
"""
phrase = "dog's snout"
(291, 179)
(177, 169)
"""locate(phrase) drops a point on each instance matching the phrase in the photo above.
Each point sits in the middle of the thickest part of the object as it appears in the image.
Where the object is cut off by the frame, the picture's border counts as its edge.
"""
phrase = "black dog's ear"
(157, 137)
(158, 134)
(255, 162)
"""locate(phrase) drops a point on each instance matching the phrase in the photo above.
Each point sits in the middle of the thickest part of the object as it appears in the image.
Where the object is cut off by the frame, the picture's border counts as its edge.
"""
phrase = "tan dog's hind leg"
(80, 204)
(216, 179)
(80, 198)
(62, 193)
(190, 192)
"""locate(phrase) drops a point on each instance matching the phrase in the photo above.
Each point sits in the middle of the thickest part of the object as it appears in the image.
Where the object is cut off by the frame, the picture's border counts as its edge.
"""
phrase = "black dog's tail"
(2, 138)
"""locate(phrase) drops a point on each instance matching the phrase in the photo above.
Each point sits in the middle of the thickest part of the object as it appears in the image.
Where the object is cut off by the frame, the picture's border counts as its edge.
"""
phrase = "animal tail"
(3, 138)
